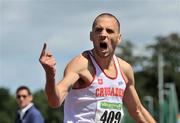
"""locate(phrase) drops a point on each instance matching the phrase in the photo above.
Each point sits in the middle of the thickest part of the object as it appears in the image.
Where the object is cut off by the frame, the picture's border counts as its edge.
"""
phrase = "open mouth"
(103, 45)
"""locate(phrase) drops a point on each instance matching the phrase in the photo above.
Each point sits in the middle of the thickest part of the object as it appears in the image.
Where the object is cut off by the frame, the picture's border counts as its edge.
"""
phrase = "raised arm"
(132, 101)
(56, 92)
(48, 62)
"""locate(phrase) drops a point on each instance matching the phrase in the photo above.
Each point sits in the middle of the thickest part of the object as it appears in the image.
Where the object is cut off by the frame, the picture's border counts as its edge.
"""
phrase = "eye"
(98, 29)
(110, 31)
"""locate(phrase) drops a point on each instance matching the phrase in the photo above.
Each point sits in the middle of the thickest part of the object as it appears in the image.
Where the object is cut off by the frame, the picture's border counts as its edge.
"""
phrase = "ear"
(31, 98)
(91, 36)
(119, 38)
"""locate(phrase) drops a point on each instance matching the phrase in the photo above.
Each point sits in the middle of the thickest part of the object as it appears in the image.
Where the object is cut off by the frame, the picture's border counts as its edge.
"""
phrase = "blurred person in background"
(27, 112)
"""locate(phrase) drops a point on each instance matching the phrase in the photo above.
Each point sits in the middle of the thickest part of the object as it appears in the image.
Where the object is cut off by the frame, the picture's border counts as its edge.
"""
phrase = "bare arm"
(132, 101)
(56, 93)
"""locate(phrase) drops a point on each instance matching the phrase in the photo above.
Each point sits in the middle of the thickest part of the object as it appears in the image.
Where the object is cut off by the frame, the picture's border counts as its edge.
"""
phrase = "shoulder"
(83, 57)
(125, 65)
(35, 113)
(32, 115)
(127, 70)
(34, 110)
(78, 62)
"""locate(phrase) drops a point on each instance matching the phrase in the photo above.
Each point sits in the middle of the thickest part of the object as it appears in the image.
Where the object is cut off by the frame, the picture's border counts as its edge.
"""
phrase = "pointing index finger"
(43, 50)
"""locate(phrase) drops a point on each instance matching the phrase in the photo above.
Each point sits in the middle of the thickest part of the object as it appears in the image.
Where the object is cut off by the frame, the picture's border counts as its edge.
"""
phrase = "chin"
(104, 55)
(23, 106)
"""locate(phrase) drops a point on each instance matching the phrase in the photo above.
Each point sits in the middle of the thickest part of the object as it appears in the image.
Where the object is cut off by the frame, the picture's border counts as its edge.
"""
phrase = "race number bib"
(108, 112)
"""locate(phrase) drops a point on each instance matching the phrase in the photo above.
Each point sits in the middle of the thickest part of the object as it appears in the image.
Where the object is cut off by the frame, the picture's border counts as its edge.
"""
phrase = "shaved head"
(106, 15)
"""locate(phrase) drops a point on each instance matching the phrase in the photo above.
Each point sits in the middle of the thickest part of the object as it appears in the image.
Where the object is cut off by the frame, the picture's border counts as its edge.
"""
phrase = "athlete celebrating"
(96, 83)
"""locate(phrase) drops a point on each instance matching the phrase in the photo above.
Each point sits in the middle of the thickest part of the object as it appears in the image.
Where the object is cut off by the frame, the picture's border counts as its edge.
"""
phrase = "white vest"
(100, 102)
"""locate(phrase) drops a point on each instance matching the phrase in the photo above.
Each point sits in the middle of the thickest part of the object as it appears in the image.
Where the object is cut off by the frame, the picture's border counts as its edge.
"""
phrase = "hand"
(48, 62)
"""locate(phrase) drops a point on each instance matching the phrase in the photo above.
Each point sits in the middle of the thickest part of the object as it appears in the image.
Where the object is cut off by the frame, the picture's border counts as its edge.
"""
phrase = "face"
(23, 98)
(105, 36)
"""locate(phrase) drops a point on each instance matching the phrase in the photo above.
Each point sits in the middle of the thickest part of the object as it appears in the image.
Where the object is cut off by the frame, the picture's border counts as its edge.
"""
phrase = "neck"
(104, 62)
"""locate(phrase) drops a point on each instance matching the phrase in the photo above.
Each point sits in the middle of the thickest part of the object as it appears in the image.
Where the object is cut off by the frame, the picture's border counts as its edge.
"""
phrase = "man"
(96, 83)
(27, 112)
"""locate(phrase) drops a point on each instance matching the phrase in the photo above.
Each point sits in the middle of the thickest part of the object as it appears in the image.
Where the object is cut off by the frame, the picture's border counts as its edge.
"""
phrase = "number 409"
(109, 117)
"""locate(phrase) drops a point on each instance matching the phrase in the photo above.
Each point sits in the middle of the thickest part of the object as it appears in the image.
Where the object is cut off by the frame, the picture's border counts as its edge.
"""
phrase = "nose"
(103, 35)
(21, 98)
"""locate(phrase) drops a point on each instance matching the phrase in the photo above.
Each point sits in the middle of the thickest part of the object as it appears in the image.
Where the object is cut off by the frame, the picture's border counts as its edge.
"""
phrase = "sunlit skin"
(105, 31)
(23, 101)
(105, 36)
